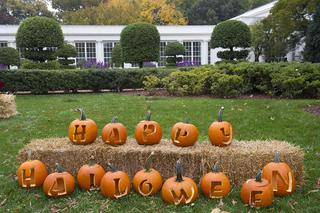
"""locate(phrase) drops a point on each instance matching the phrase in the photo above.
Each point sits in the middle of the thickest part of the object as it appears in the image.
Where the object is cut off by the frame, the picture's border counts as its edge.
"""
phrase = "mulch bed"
(313, 109)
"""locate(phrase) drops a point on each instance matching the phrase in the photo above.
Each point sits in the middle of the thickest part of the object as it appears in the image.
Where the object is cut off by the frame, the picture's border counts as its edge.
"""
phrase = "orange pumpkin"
(90, 175)
(114, 133)
(148, 132)
(220, 132)
(148, 181)
(179, 190)
(184, 134)
(257, 192)
(281, 177)
(215, 184)
(82, 131)
(31, 173)
(115, 184)
(59, 183)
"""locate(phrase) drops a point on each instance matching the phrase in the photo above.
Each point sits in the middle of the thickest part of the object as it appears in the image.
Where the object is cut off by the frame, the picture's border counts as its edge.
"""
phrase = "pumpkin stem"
(148, 116)
(59, 168)
(259, 176)
(91, 161)
(179, 171)
(216, 168)
(29, 152)
(82, 114)
(112, 167)
(277, 157)
(147, 164)
(220, 114)
(114, 119)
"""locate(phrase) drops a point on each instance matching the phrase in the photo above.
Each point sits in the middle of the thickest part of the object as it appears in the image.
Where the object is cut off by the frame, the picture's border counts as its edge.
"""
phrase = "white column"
(99, 51)
(204, 52)
(214, 57)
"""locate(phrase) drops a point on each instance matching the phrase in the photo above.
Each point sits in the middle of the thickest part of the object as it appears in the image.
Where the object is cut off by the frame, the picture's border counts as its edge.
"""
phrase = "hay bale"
(240, 161)
(7, 106)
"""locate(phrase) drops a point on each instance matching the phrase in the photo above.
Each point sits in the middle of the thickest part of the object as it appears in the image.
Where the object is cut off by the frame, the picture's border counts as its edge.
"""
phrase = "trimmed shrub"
(117, 58)
(32, 65)
(64, 53)
(151, 83)
(140, 43)
(226, 86)
(231, 34)
(39, 37)
(9, 56)
(173, 49)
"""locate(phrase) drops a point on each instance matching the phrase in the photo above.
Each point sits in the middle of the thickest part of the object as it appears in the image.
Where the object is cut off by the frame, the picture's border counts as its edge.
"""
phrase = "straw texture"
(7, 106)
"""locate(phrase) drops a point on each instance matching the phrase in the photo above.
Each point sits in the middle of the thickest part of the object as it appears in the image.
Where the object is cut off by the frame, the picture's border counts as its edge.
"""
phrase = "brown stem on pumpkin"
(220, 114)
(29, 152)
(82, 114)
(277, 157)
(179, 171)
(112, 167)
(148, 116)
(216, 168)
(259, 176)
(147, 164)
(92, 160)
(114, 119)
(59, 168)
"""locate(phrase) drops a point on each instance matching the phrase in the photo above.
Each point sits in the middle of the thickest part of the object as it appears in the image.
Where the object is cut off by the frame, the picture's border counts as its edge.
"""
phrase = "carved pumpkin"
(220, 132)
(148, 181)
(215, 184)
(31, 173)
(90, 175)
(115, 184)
(257, 192)
(148, 132)
(179, 190)
(184, 134)
(114, 133)
(280, 176)
(82, 131)
(59, 183)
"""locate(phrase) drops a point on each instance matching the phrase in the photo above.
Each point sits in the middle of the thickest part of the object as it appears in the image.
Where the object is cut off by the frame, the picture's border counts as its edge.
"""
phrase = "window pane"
(107, 52)
(162, 61)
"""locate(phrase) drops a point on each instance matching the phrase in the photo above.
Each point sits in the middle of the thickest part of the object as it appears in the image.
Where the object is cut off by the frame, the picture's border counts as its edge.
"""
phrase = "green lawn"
(49, 116)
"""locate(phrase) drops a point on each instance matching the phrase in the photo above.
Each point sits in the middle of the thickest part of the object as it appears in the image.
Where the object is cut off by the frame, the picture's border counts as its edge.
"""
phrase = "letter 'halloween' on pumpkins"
(215, 184)
(184, 134)
(257, 192)
(147, 181)
(280, 176)
(89, 176)
(220, 132)
(59, 183)
(115, 184)
(82, 131)
(31, 173)
(114, 133)
(148, 132)
(179, 190)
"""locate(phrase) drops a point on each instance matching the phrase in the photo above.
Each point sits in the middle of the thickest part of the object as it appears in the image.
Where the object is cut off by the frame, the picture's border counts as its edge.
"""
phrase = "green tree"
(117, 58)
(64, 53)
(173, 50)
(312, 49)
(73, 5)
(231, 34)
(257, 39)
(39, 37)
(140, 43)
(9, 56)
(5, 16)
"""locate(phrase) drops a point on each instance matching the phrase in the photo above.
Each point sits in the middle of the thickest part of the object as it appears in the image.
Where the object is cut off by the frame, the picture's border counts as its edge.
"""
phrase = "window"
(209, 53)
(3, 44)
(162, 61)
(86, 51)
(107, 52)
(193, 52)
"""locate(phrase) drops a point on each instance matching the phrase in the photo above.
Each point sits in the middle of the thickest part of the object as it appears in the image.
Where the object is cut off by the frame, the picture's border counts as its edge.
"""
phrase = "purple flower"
(94, 64)
(149, 64)
(186, 63)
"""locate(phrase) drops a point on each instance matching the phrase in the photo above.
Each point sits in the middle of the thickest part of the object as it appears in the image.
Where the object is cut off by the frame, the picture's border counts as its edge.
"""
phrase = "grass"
(49, 116)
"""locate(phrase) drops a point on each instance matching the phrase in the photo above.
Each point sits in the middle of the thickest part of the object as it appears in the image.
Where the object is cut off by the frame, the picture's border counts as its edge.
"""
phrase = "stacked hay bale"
(7, 105)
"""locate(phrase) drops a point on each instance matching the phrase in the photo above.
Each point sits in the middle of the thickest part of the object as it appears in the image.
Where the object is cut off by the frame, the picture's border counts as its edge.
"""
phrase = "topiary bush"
(9, 56)
(117, 58)
(38, 38)
(231, 34)
(64, 54)
(172, 51)
(140, 43)
(151, 84)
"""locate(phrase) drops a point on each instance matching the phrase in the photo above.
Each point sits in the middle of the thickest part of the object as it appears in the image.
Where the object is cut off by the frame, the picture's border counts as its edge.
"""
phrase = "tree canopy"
(9, 56)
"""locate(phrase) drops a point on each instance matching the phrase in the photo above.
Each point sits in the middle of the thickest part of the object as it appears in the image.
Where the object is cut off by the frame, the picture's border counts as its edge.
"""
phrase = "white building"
(97, 41)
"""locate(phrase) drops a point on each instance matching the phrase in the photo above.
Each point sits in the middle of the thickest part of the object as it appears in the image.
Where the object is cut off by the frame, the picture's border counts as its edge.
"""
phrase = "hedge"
(43, 81)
